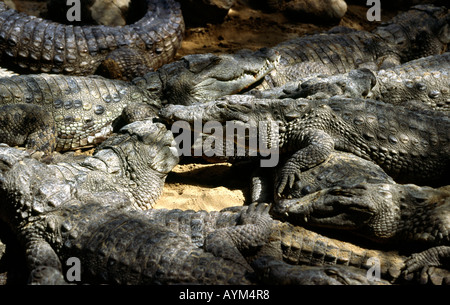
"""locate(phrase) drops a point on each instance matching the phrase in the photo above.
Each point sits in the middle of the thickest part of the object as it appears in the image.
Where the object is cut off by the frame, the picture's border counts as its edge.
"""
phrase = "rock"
(10, 3)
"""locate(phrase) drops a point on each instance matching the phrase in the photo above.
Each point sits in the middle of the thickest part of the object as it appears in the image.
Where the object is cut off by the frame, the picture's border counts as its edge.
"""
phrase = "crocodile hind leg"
(28, 125)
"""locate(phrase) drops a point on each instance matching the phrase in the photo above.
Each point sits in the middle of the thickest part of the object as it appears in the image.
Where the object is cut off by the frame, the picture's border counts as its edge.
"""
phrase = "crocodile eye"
(341, 84)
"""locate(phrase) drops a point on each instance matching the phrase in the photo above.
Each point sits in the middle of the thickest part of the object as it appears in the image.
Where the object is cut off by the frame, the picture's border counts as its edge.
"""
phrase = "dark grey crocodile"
(339, 169)
(421, 31)
(122, 247)
(84, 211)
(81, 111)
(59, 212)
(421, 83)
(77, 111)
(134, 162)
(34, 44)
(296, 248)
(203, 77)
(410, 146)
(385, 213)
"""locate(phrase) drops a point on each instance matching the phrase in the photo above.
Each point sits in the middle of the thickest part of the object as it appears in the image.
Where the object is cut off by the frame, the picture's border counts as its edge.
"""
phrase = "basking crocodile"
(34, 44)
(134, 162)
(59, 212)
(117, 246)
(421, 83)
(385, 213)
(295, 248)
(410, 146)
(421, 31)
(203, 77)
(81, 111)
(339, 169)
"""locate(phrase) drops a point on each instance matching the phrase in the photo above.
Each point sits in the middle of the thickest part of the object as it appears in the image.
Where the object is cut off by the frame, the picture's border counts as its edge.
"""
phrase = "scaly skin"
(419, 32)
(340, 169)
(298, 246)
(204, 77)
(135, 163)
(409, 146)
(82, 111)
(385, 213)
(421, 83)
(118, 245)
(41, 46)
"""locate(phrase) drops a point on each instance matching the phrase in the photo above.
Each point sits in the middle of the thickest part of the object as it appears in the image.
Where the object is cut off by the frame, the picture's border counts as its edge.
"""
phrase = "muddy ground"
(198, 185)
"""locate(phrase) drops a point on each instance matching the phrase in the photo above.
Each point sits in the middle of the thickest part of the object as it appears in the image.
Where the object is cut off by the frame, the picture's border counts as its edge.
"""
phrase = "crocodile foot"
(425, 262)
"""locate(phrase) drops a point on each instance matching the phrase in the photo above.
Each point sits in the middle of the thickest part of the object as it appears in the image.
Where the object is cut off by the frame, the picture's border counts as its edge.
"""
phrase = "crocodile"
(117, 246)
(36, 45)
(81, 111)
(135, 162)
(297, 246)
(421, 83)
(400, 214)
(410, 146)
(59, 212)
(339, 169)
(72, 111)
(203, 77)
(58, 216)
(421, 31)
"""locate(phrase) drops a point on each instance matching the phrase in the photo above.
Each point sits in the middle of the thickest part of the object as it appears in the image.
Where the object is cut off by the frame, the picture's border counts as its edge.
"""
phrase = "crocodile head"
(421, 31)
(370, 210)
(244, 108)
(203, 77)
(146, 152)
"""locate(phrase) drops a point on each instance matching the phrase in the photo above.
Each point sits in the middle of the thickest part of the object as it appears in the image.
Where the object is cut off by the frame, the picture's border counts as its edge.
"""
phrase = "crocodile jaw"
(215, 87)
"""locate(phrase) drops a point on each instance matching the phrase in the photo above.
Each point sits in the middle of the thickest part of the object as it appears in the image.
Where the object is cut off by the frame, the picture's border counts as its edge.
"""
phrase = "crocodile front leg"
(44, 264)
(317, 147)
(424, 261)
(253, 230)
(29, 125)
